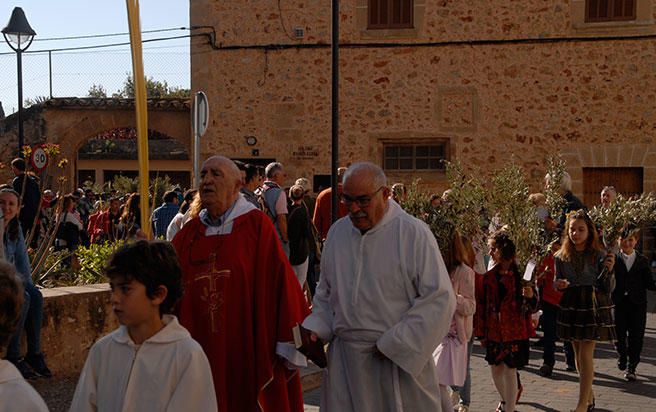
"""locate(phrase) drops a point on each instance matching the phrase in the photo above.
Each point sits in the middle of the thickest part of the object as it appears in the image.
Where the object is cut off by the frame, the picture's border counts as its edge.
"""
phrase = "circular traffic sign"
(39, 159)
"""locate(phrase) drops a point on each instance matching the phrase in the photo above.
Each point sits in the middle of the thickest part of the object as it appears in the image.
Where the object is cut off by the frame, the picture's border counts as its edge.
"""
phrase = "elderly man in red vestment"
(241, 297)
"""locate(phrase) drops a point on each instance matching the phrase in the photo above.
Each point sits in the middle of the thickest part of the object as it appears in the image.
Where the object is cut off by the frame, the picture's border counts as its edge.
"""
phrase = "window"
(414, 157)
(390, 14)
(610, 10)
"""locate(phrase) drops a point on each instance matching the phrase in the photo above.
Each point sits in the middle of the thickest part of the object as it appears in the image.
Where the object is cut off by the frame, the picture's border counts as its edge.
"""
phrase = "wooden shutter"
(610, 10)
(390, 14)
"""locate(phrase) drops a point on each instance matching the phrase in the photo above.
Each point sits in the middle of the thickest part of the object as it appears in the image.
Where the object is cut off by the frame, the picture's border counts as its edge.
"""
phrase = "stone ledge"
(74, 290)
(74, 318)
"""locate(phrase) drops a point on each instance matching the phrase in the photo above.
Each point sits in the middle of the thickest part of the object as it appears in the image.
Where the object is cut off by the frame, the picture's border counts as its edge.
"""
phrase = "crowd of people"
(218, 314)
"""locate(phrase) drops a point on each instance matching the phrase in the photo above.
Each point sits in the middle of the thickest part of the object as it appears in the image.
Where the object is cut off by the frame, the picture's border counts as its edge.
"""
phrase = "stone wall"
(490, 101)
(436, 20)
(74, 318)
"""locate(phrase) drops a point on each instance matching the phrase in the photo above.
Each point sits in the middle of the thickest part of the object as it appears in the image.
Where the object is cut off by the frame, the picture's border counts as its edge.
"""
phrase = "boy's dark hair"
(154, 264)
(170, 196)
(630, 230)
(19, 164)
(11, 301)
(505, 245)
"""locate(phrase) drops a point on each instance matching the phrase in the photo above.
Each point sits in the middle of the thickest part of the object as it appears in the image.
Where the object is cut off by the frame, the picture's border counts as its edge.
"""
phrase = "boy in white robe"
(150, 363)
(15, 393)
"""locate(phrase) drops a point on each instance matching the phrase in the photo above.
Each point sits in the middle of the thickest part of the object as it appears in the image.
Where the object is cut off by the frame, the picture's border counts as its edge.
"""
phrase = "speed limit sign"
(39, 159)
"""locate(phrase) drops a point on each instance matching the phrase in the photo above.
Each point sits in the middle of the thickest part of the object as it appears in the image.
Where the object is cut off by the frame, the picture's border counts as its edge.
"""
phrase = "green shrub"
(92, 260)
(52, 273)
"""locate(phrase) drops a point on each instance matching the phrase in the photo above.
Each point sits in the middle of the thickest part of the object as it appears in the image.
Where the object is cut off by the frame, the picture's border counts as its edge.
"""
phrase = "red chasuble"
(241, 297)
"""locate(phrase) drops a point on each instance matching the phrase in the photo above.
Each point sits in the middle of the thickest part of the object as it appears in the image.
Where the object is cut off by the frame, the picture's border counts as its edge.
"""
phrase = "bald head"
(219, 186)
(230, 168)
(367, 171)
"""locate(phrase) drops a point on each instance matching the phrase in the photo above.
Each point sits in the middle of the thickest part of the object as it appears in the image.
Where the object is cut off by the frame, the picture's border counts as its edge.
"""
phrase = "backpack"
(266, 195)
(69, 232)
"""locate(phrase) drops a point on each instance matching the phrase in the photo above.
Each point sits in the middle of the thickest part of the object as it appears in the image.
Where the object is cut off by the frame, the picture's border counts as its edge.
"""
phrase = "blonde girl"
(585, 309)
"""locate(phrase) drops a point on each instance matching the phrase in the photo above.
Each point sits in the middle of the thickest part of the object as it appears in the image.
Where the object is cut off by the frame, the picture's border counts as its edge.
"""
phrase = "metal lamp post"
(19, 35)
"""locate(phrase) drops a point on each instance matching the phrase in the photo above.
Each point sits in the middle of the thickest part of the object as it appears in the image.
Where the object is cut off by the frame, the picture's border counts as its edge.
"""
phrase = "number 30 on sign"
(39, 159)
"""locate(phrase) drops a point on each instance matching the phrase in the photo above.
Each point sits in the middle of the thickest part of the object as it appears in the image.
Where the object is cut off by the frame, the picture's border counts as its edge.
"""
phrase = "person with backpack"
(300, 234)
(274, 202)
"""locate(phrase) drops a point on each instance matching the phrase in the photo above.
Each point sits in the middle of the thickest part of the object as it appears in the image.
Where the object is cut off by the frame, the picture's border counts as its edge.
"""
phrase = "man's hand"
(527, 292)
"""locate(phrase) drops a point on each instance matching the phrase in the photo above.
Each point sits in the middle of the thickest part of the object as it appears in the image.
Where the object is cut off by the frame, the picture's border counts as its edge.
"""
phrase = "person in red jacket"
(502, 319)
(105, 225)
(322, 218)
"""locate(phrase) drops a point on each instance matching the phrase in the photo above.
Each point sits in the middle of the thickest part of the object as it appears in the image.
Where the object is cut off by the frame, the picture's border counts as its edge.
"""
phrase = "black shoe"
(545, 370)
(24, 368)
(570, 368)
(621, 364)
(630, 375)
(38, 363)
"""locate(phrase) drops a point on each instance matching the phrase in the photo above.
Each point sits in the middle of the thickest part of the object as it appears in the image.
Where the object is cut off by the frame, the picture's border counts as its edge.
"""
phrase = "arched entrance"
(72, 122)
(114, 153)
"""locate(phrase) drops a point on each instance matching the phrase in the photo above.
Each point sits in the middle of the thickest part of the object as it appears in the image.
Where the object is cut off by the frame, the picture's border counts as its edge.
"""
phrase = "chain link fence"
(71, 73)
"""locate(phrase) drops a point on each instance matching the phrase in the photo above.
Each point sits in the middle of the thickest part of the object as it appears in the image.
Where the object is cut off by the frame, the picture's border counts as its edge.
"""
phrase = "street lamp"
(19, 35)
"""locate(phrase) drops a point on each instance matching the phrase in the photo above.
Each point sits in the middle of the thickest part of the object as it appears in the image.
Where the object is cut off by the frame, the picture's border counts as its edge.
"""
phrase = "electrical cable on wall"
(266, 69)
(282, 23)
(451, 43)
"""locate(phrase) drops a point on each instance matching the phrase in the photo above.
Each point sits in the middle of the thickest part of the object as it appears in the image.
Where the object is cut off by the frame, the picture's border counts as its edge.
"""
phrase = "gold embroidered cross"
(211, 295)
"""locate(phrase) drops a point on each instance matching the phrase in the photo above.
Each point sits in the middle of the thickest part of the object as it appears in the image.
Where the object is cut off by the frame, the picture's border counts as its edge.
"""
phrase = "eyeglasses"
(361, 201)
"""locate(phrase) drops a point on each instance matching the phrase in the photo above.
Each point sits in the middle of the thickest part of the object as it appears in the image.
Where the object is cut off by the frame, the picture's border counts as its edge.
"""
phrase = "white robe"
(167, 372)
(15, 393)
(386, 289)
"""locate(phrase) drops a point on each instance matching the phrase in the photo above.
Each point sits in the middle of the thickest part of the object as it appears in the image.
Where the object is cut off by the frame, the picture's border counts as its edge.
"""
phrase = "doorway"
(626, 180)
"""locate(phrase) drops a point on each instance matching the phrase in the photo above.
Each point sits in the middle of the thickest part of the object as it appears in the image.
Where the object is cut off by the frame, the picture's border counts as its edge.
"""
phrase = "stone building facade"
(479, 81)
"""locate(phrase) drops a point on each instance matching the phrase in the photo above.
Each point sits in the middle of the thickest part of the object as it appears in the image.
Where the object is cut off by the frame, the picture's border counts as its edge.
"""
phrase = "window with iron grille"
(414, 157)
(610, 10)
(390, 14)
